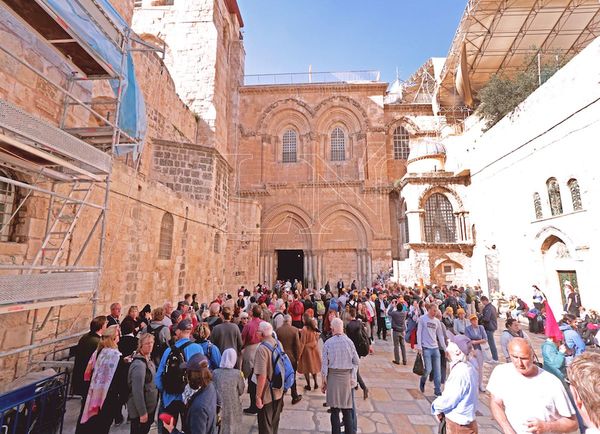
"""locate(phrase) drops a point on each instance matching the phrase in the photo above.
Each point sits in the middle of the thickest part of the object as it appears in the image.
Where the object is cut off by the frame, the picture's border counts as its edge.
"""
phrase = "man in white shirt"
(584, 376)
(526, 399)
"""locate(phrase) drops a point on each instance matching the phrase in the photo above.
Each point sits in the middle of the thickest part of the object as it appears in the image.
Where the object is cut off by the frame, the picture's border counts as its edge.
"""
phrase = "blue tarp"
(132, 114)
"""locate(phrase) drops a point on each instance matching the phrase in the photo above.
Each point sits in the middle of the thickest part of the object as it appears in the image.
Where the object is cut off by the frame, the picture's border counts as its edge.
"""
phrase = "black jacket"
(84, 350)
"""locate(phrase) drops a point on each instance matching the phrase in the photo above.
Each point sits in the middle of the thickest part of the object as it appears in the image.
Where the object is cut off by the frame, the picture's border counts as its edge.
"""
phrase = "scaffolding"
(66, 166)
(502, 36)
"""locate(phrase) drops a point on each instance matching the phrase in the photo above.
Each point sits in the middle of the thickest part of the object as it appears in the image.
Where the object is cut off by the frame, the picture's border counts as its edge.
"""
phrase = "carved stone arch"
(549, 235)
(365, 235)
(351, 106)
(286, 220)
(273, 109)
(453, 197)
(403, 121)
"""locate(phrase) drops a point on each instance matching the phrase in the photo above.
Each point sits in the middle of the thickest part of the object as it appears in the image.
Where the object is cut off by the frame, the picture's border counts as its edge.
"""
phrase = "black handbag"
(418, 367)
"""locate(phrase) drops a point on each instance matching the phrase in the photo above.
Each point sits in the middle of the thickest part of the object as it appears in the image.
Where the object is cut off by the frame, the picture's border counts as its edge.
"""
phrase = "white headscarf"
(228, 359)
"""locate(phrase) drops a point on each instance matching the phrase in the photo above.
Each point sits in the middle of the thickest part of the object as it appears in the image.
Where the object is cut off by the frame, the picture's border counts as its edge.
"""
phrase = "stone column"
(369, 268)
(359, 266)
(314, 270)
(365, 271)
(270, 269)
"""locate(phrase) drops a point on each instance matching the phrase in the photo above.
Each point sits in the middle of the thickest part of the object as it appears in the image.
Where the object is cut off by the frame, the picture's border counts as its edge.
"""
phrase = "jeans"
(348, 418)
(175, 409)
(381, 328)
(398, 338)
(492, 342)
(141, 428)
(431, 359)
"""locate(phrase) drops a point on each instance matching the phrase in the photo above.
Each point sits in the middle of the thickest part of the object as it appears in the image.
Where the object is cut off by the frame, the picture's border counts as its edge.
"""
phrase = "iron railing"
(37, 408)
(313, 77)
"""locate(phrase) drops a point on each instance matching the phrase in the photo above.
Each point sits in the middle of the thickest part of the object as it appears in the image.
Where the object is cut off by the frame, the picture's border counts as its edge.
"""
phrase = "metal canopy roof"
(502, 35)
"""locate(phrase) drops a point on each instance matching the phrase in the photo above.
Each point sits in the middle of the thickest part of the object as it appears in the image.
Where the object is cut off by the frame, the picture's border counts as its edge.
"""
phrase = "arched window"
(537, 205)
(165, 245)
(554, 196)
(575, 194)
(289, 146)
(439, 220)
(217, 243)
(7, 207)
(338, 145)
(401, 147)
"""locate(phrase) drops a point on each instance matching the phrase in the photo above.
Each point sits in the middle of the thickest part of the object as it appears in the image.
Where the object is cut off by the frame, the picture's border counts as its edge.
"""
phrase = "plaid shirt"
(339, 353)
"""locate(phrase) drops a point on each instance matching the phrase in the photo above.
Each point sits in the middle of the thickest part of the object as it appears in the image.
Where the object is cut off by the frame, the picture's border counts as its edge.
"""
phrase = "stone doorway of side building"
(566, 276)
(290, 265)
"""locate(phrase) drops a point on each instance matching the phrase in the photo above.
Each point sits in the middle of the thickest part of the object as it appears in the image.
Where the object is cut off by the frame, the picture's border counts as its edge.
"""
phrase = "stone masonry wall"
(133, 273)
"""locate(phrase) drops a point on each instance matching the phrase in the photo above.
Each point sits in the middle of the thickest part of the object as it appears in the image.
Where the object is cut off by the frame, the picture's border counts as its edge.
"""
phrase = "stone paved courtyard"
(395, 404)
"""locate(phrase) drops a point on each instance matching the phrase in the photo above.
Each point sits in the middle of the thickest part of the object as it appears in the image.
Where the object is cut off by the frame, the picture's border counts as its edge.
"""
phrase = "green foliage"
(503, 93)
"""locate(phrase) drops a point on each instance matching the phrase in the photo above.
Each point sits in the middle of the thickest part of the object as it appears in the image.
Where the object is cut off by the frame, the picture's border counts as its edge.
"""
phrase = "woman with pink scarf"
(103, 372)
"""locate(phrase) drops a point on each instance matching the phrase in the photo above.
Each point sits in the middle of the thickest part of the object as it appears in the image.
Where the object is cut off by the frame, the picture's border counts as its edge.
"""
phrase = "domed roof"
(428, 148)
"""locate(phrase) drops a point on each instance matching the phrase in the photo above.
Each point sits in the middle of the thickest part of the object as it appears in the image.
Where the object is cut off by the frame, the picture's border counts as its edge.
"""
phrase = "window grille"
(401, 144)
(289, 147)
(537, 204)
(338, 145)
(7, 206)
(554, 196)
(165, 245)
(440, 226)
(575, 194)
(217, 243)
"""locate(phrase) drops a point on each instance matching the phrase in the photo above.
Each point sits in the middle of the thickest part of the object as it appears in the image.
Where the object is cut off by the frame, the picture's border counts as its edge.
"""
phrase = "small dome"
(428, 148)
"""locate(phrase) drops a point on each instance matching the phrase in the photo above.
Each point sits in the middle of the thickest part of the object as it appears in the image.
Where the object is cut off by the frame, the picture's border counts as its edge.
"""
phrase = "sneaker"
(251, 410)
(297, 399)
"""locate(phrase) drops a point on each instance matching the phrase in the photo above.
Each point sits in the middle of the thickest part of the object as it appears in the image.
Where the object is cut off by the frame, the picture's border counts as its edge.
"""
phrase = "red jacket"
(296, 310)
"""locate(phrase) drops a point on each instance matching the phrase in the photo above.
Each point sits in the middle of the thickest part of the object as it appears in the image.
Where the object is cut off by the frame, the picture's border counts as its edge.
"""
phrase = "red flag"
(551, 328)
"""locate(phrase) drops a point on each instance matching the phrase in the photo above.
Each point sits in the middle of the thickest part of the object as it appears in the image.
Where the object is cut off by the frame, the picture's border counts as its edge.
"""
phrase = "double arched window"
(575, 194)
(290, 147)
(439, 223)
(165, 245)
(401, 144)
(537, 205)
(338, 144)
(554, 196)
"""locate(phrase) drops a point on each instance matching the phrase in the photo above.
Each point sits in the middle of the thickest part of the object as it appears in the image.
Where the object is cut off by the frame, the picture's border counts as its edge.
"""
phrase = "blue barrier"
(36, 408)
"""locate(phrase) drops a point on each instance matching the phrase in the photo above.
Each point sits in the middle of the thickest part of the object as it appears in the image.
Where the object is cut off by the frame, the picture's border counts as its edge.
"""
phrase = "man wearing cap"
(173, 403)
(458, 402)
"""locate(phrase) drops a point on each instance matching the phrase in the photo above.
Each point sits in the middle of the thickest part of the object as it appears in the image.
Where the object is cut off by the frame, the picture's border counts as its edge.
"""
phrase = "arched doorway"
(560, 267)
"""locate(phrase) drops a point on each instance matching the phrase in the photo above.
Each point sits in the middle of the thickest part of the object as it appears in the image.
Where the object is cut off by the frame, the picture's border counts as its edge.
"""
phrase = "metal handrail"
(368, 76)
(26, 409)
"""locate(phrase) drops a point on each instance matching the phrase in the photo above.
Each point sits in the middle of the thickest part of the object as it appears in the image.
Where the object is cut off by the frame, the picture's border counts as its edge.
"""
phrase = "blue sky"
(344, 35)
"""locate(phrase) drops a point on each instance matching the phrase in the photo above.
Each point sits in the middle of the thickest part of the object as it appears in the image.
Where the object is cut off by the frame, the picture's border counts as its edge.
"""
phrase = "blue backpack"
(283, 371)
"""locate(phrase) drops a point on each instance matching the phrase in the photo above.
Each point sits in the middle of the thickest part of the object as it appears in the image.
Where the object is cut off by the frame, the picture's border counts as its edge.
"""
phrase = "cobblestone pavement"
(395, 404)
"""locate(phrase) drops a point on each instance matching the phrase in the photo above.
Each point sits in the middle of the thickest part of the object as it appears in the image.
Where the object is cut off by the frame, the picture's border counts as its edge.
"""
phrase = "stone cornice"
(434, 178)
(466, 248)
(252, 193)
(377, 87)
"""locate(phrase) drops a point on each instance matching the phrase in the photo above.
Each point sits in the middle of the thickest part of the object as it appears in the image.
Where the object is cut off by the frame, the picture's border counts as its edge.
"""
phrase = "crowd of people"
(189, 366)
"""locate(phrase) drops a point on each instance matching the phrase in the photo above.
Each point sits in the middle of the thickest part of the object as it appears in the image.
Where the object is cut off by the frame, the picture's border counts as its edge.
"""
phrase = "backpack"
(296, 308)
(320, 307)
(363, 343)
(159, 346)
(173, 377)
(283, 371)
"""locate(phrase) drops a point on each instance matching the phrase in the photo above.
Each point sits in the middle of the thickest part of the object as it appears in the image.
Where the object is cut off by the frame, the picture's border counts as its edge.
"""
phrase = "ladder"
(59, 228)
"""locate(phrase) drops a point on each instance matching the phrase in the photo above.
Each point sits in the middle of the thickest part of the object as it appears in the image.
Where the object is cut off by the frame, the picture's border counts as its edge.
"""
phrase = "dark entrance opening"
(290, 265)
